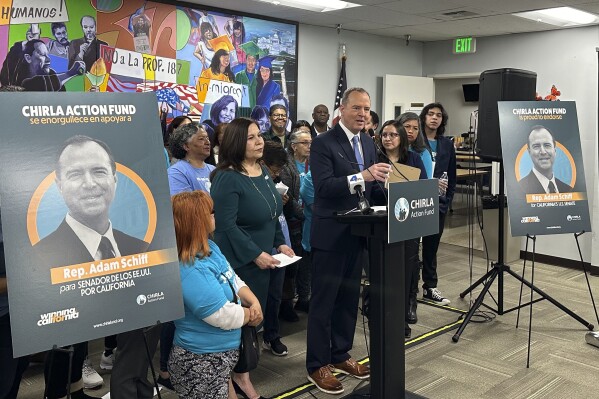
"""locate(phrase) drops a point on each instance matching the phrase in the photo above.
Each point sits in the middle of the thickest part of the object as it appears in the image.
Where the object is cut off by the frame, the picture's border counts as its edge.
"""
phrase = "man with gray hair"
(338, 158)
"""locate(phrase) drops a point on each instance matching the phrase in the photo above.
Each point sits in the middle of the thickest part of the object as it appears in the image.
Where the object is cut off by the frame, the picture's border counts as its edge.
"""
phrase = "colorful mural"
(207, 64)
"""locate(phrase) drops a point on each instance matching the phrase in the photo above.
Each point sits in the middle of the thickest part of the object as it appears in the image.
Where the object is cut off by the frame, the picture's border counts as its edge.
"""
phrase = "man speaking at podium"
(340, 160)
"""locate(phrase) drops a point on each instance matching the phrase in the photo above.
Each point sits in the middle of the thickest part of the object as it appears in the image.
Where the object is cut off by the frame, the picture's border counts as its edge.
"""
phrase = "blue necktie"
(357, 152)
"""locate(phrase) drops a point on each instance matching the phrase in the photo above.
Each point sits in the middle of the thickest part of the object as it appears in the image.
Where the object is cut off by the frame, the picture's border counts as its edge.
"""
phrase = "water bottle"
(445, 179)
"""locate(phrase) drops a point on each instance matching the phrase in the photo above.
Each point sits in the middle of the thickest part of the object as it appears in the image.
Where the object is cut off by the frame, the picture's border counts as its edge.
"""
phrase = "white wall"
(566, 58)
(369, 59)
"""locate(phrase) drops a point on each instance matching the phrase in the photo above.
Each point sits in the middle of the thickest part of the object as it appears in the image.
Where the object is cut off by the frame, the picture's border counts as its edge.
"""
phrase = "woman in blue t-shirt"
(207, 339)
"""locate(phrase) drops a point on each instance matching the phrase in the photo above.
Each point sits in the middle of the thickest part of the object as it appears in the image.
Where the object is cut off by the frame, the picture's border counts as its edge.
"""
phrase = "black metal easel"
(496, 272)
(150, 357)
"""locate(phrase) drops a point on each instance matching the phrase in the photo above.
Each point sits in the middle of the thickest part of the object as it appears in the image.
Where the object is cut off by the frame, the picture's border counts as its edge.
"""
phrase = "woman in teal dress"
(246, 209)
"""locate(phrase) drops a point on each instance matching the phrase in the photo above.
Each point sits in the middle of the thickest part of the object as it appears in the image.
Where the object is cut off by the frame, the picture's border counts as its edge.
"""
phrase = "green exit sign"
(464, 45)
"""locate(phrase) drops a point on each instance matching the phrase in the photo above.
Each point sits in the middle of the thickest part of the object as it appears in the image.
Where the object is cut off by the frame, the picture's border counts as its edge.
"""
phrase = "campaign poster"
(86, 217)
(544, 174)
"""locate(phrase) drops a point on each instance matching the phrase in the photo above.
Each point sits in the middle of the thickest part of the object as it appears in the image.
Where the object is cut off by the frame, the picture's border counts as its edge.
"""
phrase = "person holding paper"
(339, 159)
(394, 139)
(246, 209)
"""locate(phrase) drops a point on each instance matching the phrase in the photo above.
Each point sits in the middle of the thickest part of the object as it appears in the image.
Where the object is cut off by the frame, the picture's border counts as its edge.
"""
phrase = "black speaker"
(506, 84)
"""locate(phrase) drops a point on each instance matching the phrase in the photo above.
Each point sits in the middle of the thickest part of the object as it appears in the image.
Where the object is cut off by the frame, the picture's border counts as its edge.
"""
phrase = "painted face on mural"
(250, 63)
(265, 73)
(39, 61)
(227, 114)
(61, 36)
(88, 25)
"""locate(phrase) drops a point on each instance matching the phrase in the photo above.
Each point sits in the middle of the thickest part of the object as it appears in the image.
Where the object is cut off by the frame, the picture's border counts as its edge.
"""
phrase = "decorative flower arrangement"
(553, 96)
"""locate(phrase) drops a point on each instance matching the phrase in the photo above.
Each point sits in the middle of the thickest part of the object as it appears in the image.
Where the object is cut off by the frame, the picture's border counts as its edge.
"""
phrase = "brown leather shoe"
(325, 381)
(353, 368)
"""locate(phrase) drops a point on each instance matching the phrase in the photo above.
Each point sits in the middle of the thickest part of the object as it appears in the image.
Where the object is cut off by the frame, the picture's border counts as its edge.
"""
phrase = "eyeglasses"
(279, 116)
(390, 135)
(303, 142)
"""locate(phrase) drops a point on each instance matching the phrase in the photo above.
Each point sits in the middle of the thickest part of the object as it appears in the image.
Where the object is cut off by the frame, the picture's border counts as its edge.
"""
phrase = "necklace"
(273, 214)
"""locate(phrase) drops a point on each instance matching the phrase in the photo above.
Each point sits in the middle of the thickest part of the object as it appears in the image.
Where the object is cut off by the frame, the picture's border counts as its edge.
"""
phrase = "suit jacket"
(531, 185)
(90, 56)
(332, 159)
(62, 247)
(445, 161)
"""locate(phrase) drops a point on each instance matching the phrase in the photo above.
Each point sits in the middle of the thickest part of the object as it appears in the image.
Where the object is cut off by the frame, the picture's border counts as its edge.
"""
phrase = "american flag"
(341, 87)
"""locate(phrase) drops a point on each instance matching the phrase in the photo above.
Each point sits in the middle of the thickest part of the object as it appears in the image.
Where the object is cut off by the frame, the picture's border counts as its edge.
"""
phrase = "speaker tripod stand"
(497, 273)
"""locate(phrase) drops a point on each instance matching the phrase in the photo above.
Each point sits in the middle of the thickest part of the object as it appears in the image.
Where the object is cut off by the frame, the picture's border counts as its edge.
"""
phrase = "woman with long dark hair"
(204, 51)
(247, 209)
(220, 68)
(266, 87)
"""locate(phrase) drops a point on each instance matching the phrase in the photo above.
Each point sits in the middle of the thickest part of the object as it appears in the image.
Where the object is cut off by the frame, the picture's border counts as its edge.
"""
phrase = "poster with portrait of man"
(86, 217)
(544, 174)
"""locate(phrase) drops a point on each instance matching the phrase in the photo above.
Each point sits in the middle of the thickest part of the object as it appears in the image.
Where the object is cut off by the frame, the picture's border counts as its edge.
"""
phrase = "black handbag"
(249, 349)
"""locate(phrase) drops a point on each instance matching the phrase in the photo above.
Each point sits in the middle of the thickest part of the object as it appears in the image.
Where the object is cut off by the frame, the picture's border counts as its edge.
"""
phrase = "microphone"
(380, 151)
(354, 184)
(363, 204)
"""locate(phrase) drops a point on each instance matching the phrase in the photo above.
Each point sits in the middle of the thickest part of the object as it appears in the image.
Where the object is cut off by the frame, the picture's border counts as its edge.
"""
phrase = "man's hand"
(285, 199)
(378, 171)
(266, 261)
(443, 184)
(83, 48)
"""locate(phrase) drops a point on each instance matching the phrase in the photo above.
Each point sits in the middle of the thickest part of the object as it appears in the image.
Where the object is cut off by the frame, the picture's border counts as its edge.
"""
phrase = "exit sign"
(464, 45)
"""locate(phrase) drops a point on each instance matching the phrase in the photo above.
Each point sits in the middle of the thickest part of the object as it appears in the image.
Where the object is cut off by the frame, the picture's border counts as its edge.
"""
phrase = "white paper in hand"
(281, 188)
(286, 260)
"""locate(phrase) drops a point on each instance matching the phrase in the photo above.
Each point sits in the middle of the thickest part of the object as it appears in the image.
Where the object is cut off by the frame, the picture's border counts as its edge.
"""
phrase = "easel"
(534, 239)
(496, 272)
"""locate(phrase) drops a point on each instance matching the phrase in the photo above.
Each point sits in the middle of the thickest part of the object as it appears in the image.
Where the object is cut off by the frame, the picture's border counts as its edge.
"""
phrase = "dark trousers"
(12, 369)
(411, 269)
(430, 245)
(166, 344)
(333, 306)
(110, 342)
(303, 279)
(57, 378)
(295, 237)
(273, 304)
(129, 378)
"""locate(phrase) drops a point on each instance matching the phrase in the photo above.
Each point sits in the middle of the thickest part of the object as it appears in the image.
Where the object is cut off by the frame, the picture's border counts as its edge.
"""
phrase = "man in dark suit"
(86, 178)
(541, 180)
(341, 155)
(87, 48)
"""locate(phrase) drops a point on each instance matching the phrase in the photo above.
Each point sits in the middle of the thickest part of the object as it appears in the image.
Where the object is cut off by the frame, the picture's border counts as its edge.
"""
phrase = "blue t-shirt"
(307, 196)
(427, 160)
(206, 290)
(184, 177)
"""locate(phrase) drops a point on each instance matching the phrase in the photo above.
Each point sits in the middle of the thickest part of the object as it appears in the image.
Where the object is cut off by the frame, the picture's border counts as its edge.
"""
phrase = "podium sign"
(413, 209)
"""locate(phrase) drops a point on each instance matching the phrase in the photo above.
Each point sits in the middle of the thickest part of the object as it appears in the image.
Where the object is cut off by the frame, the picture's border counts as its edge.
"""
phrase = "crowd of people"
(231, 216)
